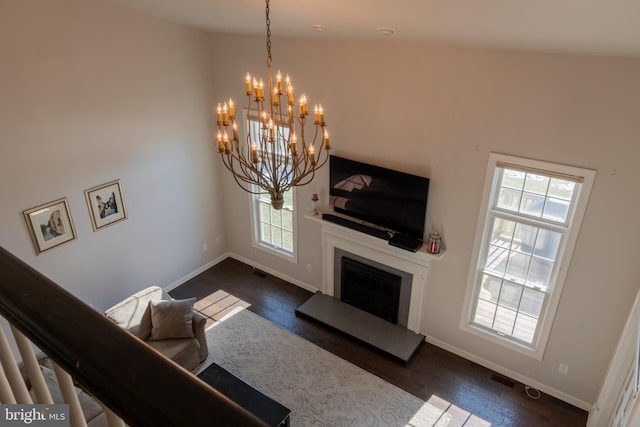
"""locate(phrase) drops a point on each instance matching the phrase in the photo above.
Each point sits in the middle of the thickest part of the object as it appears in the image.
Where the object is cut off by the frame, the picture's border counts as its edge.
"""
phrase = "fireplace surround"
(414, 267)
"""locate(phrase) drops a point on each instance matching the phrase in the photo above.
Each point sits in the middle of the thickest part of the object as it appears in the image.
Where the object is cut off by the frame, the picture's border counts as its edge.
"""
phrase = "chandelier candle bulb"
(219, 110)
(294, 143)
(276, 97)
(278, 83)
(248, 84)
(220, 143)
(227, 143)
(271, 131)
(232, 110)
(225, 114)
(254, 152)
(312, 155)
(316, 115)
(303, 105)
(235, 132)
(326, 140)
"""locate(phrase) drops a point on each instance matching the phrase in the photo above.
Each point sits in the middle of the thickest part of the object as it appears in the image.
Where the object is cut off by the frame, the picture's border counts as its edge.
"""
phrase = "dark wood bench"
(245, 395)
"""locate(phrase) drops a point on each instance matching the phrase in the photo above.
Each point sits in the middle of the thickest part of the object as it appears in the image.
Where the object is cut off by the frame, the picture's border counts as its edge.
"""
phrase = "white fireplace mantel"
(417, 264)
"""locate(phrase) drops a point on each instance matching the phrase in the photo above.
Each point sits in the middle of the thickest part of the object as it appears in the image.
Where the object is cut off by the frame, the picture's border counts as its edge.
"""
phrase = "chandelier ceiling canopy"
(276, 154)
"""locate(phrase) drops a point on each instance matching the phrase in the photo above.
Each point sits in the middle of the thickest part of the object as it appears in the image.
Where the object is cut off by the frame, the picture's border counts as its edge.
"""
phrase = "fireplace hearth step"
(396, 341)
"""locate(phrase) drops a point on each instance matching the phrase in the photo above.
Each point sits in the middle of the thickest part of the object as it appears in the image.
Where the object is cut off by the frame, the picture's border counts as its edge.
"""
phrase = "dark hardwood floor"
(432, 374)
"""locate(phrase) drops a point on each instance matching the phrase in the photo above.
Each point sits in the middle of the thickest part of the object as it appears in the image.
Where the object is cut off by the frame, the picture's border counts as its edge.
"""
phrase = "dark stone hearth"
(394, 340)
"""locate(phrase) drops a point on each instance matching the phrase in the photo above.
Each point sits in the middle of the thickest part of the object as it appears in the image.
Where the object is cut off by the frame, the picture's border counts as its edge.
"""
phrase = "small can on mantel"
(434, 243)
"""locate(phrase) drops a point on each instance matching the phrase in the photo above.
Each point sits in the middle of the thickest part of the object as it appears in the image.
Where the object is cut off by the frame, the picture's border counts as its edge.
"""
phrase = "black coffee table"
(245, 395)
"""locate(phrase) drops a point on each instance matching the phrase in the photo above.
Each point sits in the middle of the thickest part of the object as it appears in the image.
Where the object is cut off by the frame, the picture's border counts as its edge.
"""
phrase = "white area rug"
(318, 387)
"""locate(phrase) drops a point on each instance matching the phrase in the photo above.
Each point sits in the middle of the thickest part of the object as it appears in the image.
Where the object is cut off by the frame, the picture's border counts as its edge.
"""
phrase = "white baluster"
(6, 394)
(11, 371)
(112, 419)
(30, 361)
(69, 396)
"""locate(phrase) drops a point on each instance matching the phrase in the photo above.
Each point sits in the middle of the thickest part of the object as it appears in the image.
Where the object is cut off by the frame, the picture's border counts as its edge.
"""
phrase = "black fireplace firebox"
(370, 289)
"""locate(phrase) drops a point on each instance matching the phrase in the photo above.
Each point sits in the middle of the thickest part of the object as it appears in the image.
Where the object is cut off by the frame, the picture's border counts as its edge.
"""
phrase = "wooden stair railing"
(134, 381)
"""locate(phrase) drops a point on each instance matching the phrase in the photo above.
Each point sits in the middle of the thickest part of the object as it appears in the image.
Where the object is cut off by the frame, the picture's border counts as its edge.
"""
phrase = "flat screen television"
(384, 197)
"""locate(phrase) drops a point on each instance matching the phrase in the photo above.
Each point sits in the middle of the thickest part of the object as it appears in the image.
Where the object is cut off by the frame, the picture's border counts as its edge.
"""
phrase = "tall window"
(532, 214)
(273, 230)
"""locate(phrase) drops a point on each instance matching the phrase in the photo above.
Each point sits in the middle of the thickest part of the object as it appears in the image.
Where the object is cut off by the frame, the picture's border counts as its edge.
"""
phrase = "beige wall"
(91, 91)
(439, 112)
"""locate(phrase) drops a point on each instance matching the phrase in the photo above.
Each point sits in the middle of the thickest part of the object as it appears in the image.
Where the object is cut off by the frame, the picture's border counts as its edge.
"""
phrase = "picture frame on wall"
(50, 225)
(106, 204)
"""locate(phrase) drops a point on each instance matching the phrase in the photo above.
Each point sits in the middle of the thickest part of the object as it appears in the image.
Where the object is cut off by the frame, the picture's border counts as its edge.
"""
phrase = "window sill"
(503, 341)
(273, 250)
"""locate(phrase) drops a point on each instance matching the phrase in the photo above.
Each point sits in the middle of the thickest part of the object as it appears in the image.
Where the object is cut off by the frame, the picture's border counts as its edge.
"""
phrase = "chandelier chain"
(268, 33)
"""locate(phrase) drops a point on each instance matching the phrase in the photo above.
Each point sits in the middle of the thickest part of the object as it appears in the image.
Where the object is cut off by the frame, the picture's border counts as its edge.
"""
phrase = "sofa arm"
(199, 322)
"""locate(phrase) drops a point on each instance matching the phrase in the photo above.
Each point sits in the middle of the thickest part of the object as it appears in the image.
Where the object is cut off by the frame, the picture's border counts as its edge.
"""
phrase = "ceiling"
(601, 27)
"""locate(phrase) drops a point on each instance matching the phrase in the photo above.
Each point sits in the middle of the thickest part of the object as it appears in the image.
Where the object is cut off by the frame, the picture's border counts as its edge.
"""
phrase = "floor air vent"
(259, 273)
(503, 380)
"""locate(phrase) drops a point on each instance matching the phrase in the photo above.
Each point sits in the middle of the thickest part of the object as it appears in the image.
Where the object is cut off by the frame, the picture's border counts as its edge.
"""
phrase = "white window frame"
(256, 236)
(256, 200)
(563, 259)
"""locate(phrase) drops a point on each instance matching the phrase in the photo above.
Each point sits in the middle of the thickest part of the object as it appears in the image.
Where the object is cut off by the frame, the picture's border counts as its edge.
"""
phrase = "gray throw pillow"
(171, 319)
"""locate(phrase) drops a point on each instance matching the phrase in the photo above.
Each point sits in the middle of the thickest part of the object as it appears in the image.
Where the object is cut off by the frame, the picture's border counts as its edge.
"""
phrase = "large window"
(273, 230)
(531, 216)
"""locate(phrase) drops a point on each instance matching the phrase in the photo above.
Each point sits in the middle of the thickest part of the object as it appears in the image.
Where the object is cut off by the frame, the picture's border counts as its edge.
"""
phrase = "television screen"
(381, 196)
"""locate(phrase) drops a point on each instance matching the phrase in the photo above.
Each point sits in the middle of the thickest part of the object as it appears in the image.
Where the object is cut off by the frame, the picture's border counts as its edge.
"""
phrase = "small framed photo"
(106, 204)
(50, 225)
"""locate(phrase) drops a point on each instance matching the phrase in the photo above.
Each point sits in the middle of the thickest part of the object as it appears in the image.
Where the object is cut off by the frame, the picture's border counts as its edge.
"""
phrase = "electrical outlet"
(205, 247)
(563, 369)
(309, 268)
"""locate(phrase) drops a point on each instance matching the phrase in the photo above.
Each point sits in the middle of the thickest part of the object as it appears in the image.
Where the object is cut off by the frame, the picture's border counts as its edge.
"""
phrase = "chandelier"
(274, 157)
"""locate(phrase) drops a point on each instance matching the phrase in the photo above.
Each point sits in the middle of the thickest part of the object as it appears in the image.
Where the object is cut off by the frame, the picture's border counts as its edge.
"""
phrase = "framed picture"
(106, 204)
(50, 225)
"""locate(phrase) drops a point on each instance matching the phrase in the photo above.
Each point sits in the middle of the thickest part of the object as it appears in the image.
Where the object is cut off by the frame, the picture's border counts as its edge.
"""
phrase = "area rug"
(319, 388)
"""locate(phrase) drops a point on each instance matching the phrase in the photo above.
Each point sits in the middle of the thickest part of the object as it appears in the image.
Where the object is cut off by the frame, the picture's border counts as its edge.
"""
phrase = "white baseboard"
(511, 374)
(275, 273)
(247, 261)
(194, 273)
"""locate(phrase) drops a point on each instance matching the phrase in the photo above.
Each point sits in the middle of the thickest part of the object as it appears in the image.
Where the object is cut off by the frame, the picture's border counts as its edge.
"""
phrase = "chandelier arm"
(238, 179)
(249, 188)
(250, 174)
(240, 157)
(326, 158)
(312, 173)
(255, 175)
